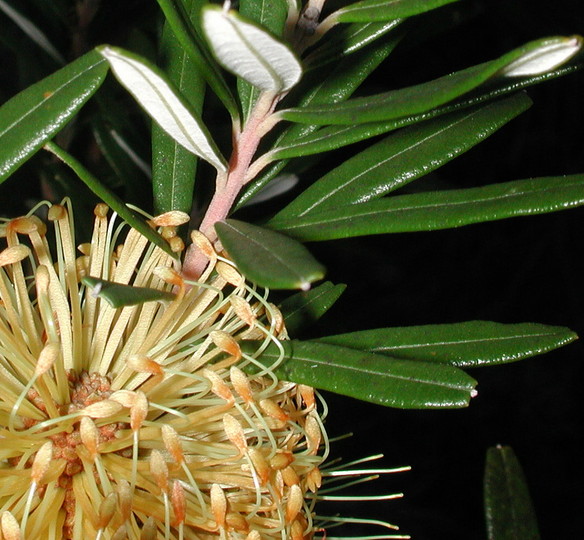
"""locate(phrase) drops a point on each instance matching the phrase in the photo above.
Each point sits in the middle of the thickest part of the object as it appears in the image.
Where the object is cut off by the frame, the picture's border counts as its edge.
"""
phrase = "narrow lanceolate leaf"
(177, 17)
(385, 10)
(267, 258)
(110, 198)
(508, 508)
(35, 115)
(118, 295)
(370, 377)
(438, 209)
(173, 166)
(160, 100)
(250, 52)
(404, 157)
(533, 58)
(304, 308)
(467, 344)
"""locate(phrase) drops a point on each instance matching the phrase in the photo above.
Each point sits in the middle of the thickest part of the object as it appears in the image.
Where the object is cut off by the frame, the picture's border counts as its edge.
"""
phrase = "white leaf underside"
(250, 53)
(160, 101)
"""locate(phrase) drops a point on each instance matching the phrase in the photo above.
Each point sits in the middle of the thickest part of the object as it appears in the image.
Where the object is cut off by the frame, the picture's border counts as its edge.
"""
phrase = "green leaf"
(465, 345)
(528, 60)
(404, 157)
(270, 14)
(508, 508)
(438, 209)
(304, 308)
(336, 136)
(370, 377)
(250, 52)
(158, 97)
(267, 258)
(174, 167)
(348, 40)
(385, 10)
(195, 47)
(110, 198)
(118, 295)
(35, 115)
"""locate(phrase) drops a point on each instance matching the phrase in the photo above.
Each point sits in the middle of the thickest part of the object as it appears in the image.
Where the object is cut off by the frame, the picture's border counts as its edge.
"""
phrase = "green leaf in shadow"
(118, 295)
(267, 258)
(35, 115)
(508, 508)
(304, 308)
(438, 209)
(465, 345)
(385, 10)
(404, 384)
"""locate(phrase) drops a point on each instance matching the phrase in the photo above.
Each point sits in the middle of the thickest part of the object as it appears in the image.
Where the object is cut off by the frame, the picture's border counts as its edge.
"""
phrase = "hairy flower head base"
(140, 422)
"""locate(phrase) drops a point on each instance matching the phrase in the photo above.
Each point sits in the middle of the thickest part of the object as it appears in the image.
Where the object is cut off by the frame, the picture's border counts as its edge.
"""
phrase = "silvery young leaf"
(370, 377)
(438, 209)
(118, 295)
(156, 95)
(508, 508)
(35, 115)
(271, 15)
(465, 345)
(303, 309)
(110, 198)
(192, 43)
(405, 156)
(250, 52)
(173, 166)
(385, 10)
(267, 258)
(526, 61)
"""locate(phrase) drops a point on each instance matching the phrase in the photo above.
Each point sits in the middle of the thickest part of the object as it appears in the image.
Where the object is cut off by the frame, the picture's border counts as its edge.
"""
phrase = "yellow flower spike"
(106, 512)
(271, 408)
(218, 386)
(260, 465)
(174, 218)
(149, 531)
(243, 310)
(240, 382)
(235, 433)
(294, 503)
(218, 505)
(230, 274)
(290, 476)
(89, 435)
(14, 254)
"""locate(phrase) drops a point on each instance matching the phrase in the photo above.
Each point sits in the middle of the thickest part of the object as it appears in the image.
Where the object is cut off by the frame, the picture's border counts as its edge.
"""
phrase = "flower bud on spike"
(218, 505)
(234, 432)
(14, 254)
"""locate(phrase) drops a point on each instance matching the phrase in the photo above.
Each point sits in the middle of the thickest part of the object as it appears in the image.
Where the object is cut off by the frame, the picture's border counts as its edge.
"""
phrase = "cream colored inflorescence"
(142, 422)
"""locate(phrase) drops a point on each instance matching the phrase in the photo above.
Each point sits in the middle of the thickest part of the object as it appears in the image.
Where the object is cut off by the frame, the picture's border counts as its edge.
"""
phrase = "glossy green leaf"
(370, 377)
(509, 511)
(35, 115)
(118, 295)
(267, 258)
(158, 97)
(385, 10)
(426, 96)
(348, 40)
(336, 136)
(174, 167)
(467, 344)
(272, 15)
(438, 209)
(195, 47)
(304, 308)
(404, 157)
(250, 52)
(338, 85)
(110, 198)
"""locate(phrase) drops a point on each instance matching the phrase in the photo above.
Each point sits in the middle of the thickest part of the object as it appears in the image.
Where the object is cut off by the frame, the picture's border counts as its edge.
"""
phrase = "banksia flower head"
(142, 421)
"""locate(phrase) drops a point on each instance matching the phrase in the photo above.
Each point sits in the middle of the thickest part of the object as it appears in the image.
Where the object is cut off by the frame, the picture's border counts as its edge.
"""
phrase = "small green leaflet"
(268, 258)
(465, 345)
(118, 295)
(508, 508)
(155, 93)
(438, 209)
(303, 309)
(35, 115)
(250, 52)
(385, 10)
(370, 377)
